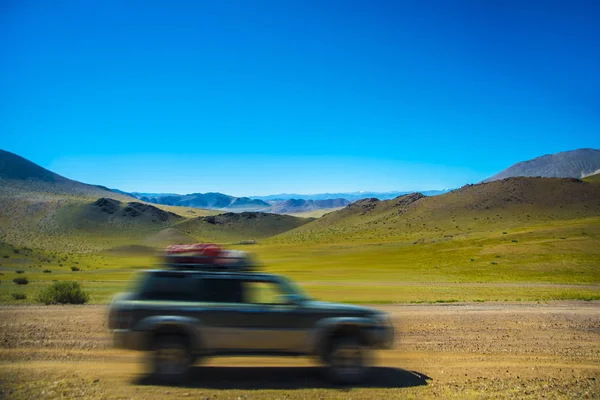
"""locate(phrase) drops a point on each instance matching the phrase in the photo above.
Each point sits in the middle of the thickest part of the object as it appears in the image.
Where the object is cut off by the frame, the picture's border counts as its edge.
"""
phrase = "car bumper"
(129, 340)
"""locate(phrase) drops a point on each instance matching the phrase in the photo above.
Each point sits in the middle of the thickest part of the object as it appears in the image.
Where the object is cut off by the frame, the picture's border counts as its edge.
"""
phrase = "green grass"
(101, 292)
(540, 267)
(472, 245)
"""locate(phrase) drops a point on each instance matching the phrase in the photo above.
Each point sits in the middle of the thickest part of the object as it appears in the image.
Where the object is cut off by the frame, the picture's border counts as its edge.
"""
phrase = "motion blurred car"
(215, 303)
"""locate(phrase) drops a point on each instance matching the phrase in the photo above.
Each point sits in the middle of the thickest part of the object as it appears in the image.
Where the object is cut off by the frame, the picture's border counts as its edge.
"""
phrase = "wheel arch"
(330, 329)
(188, 328)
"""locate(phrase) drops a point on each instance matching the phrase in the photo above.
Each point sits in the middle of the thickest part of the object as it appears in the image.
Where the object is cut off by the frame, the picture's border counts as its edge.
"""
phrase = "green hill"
(231, 227)
(508, 203)
(511, 239)
(43, 210)
(593, 178)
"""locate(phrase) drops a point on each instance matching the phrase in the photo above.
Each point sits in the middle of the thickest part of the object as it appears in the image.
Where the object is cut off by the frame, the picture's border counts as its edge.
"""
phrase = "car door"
(268, 323)
(221, 297)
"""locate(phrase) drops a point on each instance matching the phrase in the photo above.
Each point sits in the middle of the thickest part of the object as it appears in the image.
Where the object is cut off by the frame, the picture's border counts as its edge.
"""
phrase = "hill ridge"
(566, 164)
(521, 199)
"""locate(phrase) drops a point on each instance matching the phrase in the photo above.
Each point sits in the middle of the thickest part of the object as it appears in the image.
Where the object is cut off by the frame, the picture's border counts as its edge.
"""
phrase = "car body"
(192, 314)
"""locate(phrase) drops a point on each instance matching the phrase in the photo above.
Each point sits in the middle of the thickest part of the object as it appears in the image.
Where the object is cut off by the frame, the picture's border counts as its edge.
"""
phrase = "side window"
(221, 290)
(173, 287)
(256, 292)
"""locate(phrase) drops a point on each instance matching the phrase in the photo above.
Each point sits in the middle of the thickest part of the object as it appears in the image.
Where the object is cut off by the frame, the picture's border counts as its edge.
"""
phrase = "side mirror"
(289, 299)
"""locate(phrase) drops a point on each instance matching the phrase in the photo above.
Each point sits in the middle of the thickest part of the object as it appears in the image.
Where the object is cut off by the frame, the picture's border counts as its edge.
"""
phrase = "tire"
(348, 361)
(171, 359)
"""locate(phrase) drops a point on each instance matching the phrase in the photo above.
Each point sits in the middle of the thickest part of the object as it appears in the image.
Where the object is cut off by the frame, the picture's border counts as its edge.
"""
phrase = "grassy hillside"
(514, 239)
(230, 227)
(504, 240)
(43, 210)
(481, 209)
(593, 178)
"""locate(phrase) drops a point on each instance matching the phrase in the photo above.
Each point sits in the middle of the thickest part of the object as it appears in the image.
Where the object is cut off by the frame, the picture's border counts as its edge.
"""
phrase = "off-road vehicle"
(187, 312)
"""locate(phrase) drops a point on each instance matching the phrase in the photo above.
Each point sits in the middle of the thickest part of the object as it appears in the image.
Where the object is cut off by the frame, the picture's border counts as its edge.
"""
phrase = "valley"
(515, 239)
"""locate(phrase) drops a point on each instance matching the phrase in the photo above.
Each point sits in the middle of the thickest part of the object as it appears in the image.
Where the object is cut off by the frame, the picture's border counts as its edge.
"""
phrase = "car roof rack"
(209, 263)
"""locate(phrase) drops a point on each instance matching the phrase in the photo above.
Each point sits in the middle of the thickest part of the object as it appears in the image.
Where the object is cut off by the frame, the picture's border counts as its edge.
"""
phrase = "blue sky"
(260, 97)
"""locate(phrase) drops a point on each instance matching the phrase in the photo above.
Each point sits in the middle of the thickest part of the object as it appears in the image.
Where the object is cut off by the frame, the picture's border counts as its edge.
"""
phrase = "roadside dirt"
(481, 350)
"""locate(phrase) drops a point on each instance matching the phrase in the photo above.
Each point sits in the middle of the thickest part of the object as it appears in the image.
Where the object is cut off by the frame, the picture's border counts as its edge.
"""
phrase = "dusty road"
(515, 350)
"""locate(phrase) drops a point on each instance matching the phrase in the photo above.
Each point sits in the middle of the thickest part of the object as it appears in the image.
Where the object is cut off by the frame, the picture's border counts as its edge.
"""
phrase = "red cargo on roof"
(199, 249)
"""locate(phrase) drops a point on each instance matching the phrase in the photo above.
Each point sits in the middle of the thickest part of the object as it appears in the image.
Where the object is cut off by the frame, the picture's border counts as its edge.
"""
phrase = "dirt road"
(515, 350)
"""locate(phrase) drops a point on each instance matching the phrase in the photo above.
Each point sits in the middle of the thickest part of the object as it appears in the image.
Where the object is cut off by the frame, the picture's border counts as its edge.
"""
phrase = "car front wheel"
(348, 361)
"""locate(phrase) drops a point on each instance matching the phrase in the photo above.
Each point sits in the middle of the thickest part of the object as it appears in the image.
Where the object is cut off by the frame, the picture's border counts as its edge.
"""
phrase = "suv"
(180, 316)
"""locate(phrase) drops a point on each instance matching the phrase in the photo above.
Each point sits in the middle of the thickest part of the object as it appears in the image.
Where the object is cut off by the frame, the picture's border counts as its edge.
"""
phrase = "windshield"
(290, 287)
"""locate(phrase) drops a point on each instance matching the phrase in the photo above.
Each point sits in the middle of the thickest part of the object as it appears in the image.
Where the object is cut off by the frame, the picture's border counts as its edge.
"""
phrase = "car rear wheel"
(348, 361)
(171, 359)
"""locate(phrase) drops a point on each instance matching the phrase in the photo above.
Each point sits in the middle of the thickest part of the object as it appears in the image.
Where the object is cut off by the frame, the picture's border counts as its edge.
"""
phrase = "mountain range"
(280, 204)
(41, 209)
(569, 164)
(350, 196)
(211, 200)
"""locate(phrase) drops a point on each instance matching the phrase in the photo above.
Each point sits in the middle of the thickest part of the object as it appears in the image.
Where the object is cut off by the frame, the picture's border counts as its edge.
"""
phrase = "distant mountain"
(218, 201)
(568, 164)
(277, 203)
(351, 196)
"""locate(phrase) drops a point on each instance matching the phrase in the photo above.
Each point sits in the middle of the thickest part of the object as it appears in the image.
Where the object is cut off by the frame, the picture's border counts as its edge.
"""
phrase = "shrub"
(21, 281)
(75, 269)
(64, 292)
(47, 271)
(19, 296)
(19, 271)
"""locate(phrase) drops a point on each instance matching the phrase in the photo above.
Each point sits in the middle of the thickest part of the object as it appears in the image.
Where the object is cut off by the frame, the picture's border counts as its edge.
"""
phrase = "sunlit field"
(537, 263)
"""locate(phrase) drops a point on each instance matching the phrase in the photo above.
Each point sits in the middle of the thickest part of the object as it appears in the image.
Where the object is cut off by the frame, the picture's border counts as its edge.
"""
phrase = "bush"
(74, 269)
(47, 271)
(19, 296)
(65, 292)
(20, 271)
(21, 281)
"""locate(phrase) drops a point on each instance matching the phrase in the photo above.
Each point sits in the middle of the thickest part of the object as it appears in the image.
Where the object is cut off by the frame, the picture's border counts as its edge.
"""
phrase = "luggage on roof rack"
(207, 256)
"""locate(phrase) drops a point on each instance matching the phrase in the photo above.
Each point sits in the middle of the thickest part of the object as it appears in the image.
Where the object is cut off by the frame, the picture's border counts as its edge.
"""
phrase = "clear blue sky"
(259, 97)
